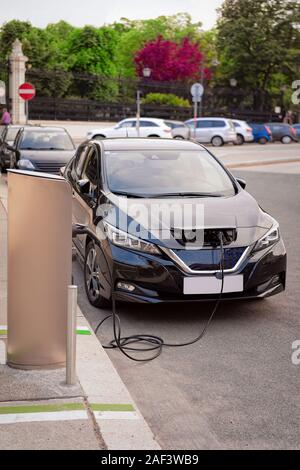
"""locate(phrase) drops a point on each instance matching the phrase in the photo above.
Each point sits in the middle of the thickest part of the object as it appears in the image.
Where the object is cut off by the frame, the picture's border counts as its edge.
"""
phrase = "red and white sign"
(26, 91)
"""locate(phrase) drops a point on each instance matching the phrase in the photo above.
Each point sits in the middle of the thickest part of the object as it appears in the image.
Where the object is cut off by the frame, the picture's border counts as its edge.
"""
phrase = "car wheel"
(91, 278)
(179, 137)
(239, 139)
(152, 136)
(262, 140)
(286, 139)
(99, 137)
(217, 141)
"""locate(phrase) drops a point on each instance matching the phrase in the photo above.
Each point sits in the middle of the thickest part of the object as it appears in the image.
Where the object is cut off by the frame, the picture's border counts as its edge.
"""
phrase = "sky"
(98, 12)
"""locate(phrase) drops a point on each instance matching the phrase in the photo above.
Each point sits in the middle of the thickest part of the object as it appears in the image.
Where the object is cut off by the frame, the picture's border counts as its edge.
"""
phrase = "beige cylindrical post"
(39, 269)
(71, 336)
(16, 77)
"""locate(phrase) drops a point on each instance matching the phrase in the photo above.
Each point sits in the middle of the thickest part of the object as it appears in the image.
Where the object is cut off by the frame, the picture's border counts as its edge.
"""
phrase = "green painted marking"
(41, 408)
(84, 332)
(112, 407)
(3, 332)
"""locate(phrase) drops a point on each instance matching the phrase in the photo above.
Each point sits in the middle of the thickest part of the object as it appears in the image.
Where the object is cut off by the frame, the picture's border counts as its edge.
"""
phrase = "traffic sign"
(197, 91)
(26, 91)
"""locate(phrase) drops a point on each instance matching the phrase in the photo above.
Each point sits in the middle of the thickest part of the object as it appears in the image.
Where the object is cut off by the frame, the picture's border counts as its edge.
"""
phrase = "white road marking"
(13, 418)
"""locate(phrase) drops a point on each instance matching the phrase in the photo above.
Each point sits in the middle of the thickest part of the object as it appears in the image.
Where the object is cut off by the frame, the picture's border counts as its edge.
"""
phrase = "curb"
(121, 424)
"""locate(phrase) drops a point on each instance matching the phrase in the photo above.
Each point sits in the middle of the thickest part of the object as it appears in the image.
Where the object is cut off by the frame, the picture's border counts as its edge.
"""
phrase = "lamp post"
(233, 83)
(146, 74)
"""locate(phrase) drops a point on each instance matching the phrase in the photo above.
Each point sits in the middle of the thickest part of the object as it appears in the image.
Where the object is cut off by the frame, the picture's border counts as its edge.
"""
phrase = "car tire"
(217, 141)
(98, 137)
(286, 139)
(153, 136)
(178, 137)
(240, 139)
(262, 140)
(91, 278)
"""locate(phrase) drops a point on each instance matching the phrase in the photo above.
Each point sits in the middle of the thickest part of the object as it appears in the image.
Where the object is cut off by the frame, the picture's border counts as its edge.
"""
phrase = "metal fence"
(92, 110)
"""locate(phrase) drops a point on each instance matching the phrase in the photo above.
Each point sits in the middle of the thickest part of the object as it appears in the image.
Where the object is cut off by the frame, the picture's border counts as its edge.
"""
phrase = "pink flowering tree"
(170, 61)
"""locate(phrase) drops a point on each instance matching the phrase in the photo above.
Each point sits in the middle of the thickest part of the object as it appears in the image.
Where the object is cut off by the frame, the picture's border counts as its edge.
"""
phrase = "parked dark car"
(180, 260)
(297, 129)
(43, 149)
(261, 133)
(7, 137)
(282, 132)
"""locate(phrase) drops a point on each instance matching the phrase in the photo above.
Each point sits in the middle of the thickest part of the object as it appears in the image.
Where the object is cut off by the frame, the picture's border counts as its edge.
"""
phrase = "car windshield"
(46, 140)
(11, 133)
(166, 173)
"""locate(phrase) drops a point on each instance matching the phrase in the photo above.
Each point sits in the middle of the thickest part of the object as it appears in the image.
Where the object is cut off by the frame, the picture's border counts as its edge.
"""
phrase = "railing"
(89, 110)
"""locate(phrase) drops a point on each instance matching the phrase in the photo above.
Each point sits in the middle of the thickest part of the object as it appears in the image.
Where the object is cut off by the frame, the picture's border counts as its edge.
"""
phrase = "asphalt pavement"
(237, 388)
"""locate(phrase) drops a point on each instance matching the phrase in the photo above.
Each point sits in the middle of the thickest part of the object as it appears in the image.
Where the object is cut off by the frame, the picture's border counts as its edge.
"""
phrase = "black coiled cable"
(152, 342)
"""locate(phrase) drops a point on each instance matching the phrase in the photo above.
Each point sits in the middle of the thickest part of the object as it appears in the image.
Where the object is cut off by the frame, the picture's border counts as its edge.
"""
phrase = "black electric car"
(168, 222)
(42, 149)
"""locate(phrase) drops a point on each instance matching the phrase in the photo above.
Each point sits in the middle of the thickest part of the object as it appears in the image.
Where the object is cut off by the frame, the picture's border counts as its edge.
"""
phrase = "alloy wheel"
(92, 275)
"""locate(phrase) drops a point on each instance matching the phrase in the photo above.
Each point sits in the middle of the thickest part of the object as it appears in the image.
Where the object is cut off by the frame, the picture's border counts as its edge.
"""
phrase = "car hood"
(60, 156)
(240, 212)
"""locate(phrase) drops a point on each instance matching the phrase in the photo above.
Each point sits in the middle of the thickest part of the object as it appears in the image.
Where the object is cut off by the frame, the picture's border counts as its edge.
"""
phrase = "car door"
(85, 180)
(125, 129)
(204, 131)
(149, 128)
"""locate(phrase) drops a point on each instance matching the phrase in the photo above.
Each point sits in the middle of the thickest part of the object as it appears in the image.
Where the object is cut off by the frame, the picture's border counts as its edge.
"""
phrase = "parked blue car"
(261, 133)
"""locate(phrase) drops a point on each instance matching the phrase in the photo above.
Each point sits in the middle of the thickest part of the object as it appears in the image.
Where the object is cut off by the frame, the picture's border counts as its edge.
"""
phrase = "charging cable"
(152, 343)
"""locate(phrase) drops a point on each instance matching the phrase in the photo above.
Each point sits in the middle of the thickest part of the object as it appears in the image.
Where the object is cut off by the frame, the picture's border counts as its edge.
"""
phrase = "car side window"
(127, 124)
(220, 123)
(204, 124)
(148, 124)
(90, 171)
(79, 161)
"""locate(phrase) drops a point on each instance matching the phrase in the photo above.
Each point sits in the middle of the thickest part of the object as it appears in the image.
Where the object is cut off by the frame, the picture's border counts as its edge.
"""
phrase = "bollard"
(71, 336)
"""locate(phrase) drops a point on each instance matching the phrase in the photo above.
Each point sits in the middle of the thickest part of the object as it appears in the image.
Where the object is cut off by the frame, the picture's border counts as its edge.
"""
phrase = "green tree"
(92, 50)
(9, 32)
(258, 42)
(134, 34)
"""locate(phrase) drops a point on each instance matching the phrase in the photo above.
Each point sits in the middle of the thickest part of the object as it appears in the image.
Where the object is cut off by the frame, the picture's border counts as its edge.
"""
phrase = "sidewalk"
(39, 411)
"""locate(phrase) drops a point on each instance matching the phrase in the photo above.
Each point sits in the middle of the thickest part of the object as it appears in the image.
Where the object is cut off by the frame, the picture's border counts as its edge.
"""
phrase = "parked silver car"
(243, 130)
(213, 130)
(179, 130)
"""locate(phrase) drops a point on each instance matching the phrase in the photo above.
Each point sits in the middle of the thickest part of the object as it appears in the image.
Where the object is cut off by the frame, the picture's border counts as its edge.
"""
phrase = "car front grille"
(49, 167)
(207, 237)
(209, 259)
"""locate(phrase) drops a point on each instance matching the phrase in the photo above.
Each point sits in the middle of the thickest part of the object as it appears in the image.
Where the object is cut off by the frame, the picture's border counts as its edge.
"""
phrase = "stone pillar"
(16, 77)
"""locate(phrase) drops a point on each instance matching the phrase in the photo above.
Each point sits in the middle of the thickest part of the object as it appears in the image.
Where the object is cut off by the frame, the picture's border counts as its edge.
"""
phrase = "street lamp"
(146, 74)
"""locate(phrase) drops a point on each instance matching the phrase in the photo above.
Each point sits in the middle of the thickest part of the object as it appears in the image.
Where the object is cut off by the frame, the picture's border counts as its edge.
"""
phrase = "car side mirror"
(241, 182)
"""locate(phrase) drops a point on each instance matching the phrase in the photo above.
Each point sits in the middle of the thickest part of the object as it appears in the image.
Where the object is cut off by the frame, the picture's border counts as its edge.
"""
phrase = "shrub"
(167, 99)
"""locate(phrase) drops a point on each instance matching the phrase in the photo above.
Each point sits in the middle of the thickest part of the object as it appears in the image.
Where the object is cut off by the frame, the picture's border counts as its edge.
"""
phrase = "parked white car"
(149, 127)
(213, 130)
(243, 130)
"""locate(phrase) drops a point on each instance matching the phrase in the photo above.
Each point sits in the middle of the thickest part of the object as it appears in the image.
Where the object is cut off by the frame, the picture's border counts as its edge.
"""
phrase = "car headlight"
(269, 239)
(25, 164)
(123, 239)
